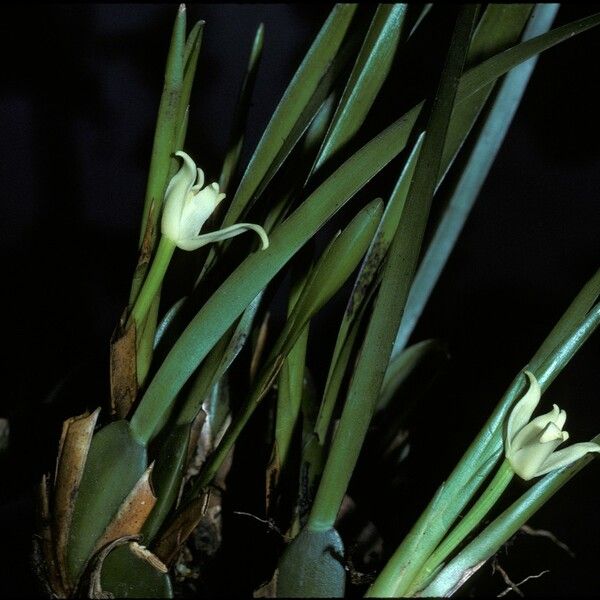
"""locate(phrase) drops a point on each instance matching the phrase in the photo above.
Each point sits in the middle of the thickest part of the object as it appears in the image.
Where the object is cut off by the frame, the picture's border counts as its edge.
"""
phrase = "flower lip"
(530, 444)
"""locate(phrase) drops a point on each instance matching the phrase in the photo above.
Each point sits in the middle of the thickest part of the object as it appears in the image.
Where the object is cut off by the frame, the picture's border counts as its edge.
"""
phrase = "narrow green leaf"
(334, 267)
(574, 314)
(289, 396)
(290, 387)
(168, 114)
(359, 296)
(482, 74)
(190, 61)
(289, 110)
(168, 320)
(477, 167)
(396, 279)
(368, 75)
(217, 363)
(167, 475)
(329, 274)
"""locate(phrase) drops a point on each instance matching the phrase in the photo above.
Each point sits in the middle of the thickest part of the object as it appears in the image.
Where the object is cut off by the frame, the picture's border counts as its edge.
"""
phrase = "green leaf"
(115, 462)
(331, 271)
(167, 475)
(578, 309)
(491, 69)
(190, 62)
(359, 295)
(488, 542)
(334, 267)
(480, 159)
(300, 90)
(167, 321)
(290, 387)
(166, 125)
(312, 566)
(396, 279)
(289, 396)
(236, 139)
(368, 75)
(217, 363)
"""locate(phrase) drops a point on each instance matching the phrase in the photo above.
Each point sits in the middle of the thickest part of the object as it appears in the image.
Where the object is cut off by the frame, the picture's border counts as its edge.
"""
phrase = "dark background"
(79, 92)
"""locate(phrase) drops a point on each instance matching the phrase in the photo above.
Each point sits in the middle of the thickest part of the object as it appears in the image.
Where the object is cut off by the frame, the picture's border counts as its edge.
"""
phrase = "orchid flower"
(530, 445)
(188, 205)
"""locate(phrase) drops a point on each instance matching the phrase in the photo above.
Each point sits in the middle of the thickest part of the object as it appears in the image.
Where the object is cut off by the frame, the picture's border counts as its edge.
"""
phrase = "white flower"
(188, 206)
(530, 445)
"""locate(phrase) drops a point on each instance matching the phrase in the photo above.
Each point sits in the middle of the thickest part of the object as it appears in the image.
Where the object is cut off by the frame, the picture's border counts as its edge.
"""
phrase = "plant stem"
(471, 520)
(152, 283)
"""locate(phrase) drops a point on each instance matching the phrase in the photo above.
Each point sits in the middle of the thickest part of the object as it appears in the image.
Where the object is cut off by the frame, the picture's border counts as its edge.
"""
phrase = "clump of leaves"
(137, 497)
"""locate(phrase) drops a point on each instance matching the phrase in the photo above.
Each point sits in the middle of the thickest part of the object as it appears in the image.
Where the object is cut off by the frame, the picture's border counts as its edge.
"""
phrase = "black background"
(78, 97)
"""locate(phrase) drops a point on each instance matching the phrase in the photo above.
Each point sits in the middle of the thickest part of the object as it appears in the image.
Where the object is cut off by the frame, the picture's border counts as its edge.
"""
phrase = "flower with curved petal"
(530, 445)
(188, 205)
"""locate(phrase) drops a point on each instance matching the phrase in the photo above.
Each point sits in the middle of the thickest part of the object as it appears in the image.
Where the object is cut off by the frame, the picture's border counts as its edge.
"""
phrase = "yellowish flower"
(188, 205)
(530, 445)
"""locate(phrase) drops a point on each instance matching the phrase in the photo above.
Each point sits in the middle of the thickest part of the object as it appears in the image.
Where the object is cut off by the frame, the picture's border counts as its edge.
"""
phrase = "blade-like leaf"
(168, 113)
(368, 75)
(472, 178)
(396, 279)
(482, 74)
(290, 108)
(358, 297)
(329, 274)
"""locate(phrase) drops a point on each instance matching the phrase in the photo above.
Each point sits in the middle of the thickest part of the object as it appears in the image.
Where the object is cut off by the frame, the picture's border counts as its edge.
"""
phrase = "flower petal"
(526, 462)
(523, 409)
(552, 432)
(196, 212)
(532, 431)
(177, 191)
(223, 234)
(566, 456)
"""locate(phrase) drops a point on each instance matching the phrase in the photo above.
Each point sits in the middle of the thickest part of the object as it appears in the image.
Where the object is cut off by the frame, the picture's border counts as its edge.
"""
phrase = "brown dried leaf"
(123, 368)
(44, 557)
(146, 249)
(72, 454)
(133, 513)
(168, 544)
(200, 444)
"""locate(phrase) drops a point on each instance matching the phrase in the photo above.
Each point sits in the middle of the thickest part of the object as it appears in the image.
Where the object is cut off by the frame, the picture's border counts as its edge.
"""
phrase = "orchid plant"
(137, 480)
